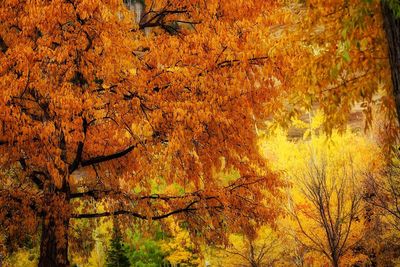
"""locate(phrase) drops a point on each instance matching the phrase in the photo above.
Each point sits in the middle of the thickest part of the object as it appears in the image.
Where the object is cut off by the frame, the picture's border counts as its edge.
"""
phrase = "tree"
(264, 249)
(328, 209)
(325, 191)
(391, 19)
(383, 190)
(85, 119)
(178, 247)
(335, 207)
(341, 61)
(116, 256)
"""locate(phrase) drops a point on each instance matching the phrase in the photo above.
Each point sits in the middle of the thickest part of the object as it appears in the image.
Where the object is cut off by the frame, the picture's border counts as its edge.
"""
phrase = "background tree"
(391, 19)
(116, 256)
(383, 190)
(263, 249)
(335, 208)
(178, 247)
(325, 192)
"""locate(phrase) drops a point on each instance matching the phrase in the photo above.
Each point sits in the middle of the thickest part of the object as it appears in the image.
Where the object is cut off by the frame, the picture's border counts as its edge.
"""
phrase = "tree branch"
(105, 158)
(188, 208)
(3, 45)
(96, 193)
(35, 179)
(91, 193)
(34, 175)
(79, 152)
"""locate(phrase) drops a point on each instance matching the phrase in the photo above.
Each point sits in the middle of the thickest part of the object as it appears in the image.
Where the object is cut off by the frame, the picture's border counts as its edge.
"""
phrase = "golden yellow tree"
(325, 193)
(265, 248)
(179, 247)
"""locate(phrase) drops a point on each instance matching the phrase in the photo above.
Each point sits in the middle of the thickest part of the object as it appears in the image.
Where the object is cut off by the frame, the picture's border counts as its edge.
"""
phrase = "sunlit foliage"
(105, 112)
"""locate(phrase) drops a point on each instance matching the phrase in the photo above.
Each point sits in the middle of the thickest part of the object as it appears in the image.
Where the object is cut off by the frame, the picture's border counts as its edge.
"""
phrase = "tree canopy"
(83, 115)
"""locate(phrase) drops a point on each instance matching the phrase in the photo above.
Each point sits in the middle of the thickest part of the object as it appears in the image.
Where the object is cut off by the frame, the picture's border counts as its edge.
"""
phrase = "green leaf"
(344, 33)
(335, 71)
(346, 56)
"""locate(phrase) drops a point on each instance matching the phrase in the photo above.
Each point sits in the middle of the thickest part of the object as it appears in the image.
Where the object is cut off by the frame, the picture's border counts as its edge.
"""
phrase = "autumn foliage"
(101, 116)
(83, 116)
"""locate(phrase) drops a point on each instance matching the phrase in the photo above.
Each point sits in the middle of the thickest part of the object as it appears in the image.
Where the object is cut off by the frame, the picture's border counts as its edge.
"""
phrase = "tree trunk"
(335, 261)
(392, 29)
(54, 239)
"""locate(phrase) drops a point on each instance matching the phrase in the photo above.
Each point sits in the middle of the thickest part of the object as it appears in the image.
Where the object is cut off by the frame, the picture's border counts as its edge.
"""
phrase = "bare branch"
(188, 208)
(105, 158)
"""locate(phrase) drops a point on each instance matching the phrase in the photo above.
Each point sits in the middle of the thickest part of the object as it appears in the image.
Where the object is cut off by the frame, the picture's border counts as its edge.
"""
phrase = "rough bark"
(54, 239)
(335, 261)
(392, 28)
